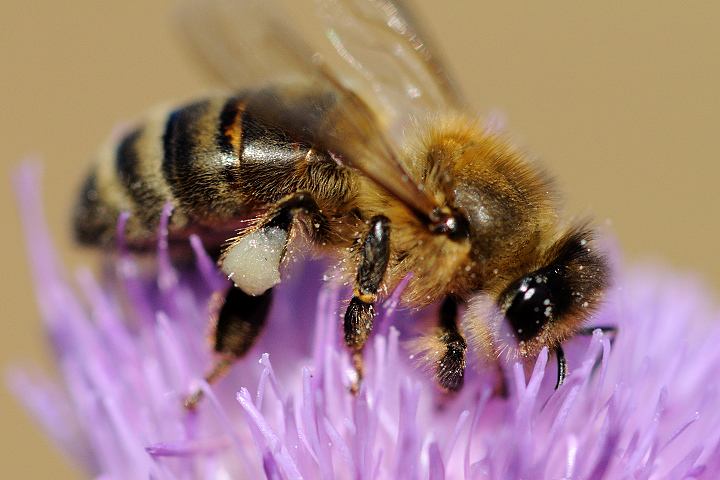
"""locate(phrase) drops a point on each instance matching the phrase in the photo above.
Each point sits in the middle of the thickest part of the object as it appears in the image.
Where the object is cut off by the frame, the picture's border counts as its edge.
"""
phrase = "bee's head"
(546, 306)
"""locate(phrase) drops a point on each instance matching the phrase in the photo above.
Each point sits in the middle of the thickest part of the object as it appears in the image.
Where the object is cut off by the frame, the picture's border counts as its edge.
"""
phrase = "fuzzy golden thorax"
(506, 200)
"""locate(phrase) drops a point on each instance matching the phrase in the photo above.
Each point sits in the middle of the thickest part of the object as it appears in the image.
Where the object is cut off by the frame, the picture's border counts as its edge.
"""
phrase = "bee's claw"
(191, 401)
(355, 388)
(218, 371)
(357, 361)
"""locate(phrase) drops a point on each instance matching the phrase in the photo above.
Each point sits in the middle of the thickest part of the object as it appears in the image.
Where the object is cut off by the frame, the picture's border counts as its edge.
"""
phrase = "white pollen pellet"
(253, 262)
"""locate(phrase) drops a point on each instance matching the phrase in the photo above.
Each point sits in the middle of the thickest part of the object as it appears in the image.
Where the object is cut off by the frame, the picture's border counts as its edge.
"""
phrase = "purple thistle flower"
(131, 345)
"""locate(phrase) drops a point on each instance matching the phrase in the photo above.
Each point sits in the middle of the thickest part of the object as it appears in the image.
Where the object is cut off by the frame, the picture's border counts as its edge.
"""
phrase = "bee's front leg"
(450, 365)
(360, 313)
(442, 348)
(252, 262)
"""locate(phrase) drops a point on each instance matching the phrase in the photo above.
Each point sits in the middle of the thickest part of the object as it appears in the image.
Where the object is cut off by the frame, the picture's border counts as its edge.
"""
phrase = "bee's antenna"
(562, 366)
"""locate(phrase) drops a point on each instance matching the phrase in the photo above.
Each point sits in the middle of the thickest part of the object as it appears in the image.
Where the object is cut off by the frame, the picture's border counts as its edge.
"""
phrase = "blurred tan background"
(619, 99)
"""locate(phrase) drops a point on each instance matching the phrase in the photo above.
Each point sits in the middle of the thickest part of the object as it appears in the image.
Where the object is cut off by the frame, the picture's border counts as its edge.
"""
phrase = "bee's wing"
(367, 52)
(375, 46)
(386, 47)
(235, 41)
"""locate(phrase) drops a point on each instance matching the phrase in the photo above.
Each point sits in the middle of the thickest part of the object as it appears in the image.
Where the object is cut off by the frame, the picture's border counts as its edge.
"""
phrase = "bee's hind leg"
(360, 313)
(252, 262)
(239, 323)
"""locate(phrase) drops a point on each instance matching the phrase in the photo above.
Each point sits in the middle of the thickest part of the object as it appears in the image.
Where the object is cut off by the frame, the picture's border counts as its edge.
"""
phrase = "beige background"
(619, 99)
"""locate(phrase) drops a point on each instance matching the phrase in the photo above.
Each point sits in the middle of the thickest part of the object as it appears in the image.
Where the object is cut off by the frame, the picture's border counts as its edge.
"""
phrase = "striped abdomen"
(216, 161)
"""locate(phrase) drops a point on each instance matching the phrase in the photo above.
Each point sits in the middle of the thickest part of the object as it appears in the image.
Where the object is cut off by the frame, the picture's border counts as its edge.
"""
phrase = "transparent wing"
(375, 47)
(354, 132)
(366, 53)
(235, 41)
(385, 45)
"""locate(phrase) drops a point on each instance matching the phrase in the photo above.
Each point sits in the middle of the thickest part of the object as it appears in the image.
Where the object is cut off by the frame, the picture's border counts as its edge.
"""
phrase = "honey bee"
(362, 142)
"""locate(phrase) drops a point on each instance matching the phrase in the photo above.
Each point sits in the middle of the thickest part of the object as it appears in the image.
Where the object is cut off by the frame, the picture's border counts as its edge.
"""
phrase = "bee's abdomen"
(201, 171)
(215, 161)
(174, 157)
(93, 217)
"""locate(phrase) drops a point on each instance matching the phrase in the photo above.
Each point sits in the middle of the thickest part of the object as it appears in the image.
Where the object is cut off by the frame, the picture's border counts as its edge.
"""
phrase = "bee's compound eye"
(563, 293)
(530, 303)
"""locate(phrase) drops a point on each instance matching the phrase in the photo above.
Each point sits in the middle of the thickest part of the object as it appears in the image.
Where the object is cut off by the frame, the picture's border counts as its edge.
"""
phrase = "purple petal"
(131, 343)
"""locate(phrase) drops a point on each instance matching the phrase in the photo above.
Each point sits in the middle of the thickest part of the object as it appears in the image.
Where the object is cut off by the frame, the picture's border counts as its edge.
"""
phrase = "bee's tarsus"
(191, 401)
(239, 324)
(357, 361)
(358, 323)
(221, 367)
(450, 367)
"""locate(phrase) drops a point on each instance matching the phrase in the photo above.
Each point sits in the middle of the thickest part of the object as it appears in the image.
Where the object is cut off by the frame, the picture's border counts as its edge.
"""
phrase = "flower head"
(131, 344)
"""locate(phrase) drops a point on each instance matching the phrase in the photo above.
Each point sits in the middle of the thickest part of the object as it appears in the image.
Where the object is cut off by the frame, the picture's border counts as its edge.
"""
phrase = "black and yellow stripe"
(215, 160)
(199, 172)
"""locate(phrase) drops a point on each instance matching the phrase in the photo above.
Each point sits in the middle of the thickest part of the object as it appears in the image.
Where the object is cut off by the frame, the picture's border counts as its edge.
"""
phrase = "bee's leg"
(239, 323)
(450, 366)
(359, 316)
(252, 262)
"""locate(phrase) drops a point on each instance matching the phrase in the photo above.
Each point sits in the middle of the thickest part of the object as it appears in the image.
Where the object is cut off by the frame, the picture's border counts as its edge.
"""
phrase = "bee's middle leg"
(252, 262)
(360, 313)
